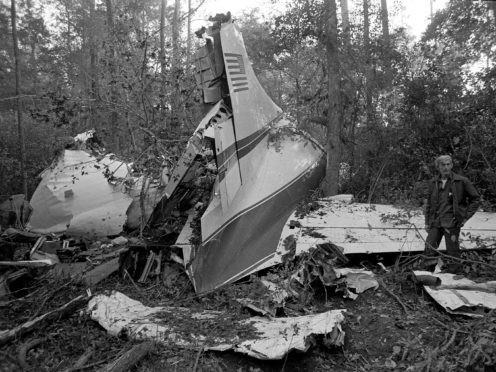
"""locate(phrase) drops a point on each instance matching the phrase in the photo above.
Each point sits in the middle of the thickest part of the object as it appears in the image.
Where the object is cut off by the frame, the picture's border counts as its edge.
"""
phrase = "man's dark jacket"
(466, 199)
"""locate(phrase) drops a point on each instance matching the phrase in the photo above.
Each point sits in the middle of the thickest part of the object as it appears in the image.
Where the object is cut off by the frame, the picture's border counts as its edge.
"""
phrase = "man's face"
(444, 167)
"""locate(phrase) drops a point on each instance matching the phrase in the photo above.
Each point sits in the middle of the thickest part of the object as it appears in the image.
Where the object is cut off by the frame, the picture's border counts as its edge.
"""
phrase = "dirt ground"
(394, 328)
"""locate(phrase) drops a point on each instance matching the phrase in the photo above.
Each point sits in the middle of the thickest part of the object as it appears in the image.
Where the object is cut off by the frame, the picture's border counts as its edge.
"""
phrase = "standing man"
(451, 201)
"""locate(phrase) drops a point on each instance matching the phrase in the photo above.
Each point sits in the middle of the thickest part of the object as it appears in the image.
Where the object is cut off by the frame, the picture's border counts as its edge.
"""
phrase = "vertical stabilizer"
(252, 107)
(264, 165)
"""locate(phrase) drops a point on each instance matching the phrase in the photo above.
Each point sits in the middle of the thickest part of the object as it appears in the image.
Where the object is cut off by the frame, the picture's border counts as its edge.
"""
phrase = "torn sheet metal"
(460, 295)
(75, 196)
(348, 280)
(256, 188)
(257, 337)
(278, 293)
(277, 336)
(267, 295)
(374, 228)
(356, 281)
(255, 307)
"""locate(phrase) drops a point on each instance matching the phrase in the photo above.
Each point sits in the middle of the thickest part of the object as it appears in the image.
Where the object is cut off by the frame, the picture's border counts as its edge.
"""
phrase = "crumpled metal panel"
(76, 197)
(461, 295)
(270, 339)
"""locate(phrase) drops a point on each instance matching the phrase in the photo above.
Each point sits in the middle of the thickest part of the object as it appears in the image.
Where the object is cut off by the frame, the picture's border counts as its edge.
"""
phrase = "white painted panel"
(231, 182)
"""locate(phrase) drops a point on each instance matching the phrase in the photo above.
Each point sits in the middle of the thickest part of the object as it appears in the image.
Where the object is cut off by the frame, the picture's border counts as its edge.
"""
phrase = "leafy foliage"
(439, 100)
(80, 74)
(439, 97)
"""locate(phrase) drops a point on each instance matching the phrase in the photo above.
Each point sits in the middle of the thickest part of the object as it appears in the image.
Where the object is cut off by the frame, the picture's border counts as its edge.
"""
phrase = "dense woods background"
(384, 105)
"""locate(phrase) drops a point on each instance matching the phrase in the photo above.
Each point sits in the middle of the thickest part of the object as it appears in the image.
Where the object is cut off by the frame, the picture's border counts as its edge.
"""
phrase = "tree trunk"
(366, 26)
(114, 126)
(298, 99)
(492, 5)
(125, 362)
(175, 33)
(368, 68)
(69, 66)
(163, 6)
(68, 38)
(93, 68)
(20, 129)
(386, 41)
(345, 19)
(32, 44)
(334, 122)
(163, 72)
(176, 60)
(348, 91)
(188, 42)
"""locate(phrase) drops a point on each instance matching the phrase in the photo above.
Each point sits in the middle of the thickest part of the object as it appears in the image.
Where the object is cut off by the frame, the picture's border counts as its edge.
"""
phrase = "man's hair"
(441, 158)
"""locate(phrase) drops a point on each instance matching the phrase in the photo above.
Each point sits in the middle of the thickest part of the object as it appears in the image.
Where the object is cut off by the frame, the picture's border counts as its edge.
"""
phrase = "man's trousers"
(451, 238)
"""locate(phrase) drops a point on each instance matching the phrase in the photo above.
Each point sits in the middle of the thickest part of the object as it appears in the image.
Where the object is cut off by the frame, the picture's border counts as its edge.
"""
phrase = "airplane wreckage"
(239, 188)
(262, 166)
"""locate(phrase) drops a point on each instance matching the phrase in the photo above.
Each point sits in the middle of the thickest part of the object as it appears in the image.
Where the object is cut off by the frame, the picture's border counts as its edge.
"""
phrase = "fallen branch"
(434, 354)
(23, 351)
(68, 308)
(47, 298)
(448, 327)
(82, 360)
(200, 351)
(88, 366)
(448, 344)
(389, 292)
(130, 358)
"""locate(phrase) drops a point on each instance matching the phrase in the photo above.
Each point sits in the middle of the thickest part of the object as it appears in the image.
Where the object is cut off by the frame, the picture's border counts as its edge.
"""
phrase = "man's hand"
(426, 227)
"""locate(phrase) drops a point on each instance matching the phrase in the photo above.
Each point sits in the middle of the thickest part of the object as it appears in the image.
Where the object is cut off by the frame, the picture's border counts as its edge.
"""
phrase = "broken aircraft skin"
(265, 166)
(89, 193)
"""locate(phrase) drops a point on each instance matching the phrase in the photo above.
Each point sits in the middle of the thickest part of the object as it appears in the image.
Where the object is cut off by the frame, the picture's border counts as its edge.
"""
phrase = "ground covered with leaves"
(397, 327)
